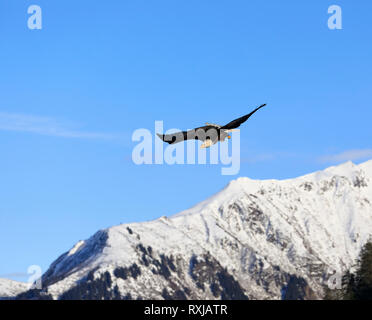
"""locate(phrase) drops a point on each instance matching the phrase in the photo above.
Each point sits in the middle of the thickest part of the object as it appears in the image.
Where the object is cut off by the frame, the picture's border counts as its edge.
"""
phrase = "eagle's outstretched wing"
(237, 122)
(202, 133)
(211, 132)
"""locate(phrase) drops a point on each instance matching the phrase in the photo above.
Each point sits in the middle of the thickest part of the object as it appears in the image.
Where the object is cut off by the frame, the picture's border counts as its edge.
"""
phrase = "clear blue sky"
(72, 93)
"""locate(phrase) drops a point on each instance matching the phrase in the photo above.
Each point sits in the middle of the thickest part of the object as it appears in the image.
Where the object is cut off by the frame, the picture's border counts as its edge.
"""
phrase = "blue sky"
(72, 94)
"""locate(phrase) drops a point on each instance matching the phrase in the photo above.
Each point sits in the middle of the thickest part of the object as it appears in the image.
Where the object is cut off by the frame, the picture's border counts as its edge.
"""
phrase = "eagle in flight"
(209, 134)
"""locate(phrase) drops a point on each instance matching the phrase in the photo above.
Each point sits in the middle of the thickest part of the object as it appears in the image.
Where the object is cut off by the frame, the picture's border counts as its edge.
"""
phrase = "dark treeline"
(356, 285)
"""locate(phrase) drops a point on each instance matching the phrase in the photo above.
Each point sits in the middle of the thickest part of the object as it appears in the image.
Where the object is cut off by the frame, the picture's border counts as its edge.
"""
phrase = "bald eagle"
(209, 134)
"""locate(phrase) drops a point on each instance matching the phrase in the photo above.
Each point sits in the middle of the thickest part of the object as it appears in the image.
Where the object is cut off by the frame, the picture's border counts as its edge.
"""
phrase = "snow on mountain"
(10, 288)
(256, 239)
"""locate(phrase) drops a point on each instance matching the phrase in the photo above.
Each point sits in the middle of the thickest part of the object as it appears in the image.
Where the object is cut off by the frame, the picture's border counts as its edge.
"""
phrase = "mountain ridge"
(256, 239)
(10, 288)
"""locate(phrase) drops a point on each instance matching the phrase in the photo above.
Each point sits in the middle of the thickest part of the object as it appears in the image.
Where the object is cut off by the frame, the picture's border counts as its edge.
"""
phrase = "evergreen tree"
(356, 286)
(363, 277)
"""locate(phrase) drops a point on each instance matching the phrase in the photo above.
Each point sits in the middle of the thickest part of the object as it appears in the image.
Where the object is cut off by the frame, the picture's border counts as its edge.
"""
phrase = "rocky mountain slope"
(270, 239)
(10, 288)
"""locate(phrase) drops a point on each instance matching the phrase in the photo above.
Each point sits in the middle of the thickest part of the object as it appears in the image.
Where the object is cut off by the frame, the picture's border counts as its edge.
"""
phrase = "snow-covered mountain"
(270, 239)
(10, 288)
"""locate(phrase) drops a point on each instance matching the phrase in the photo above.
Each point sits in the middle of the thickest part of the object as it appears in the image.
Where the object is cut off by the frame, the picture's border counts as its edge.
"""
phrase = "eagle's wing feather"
(237, 122)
